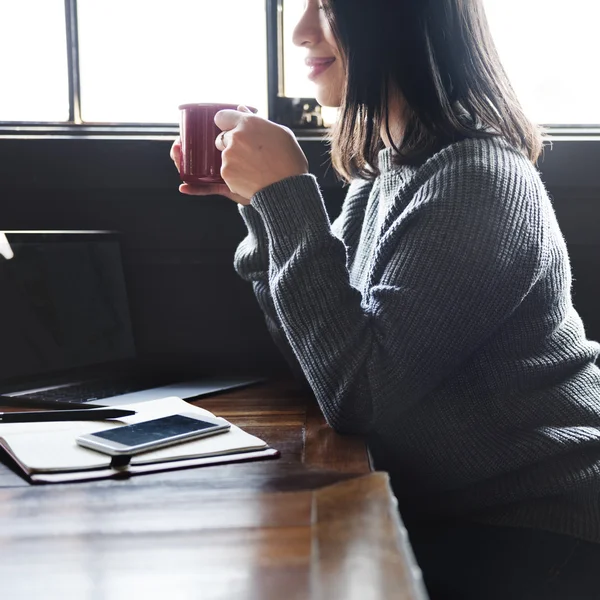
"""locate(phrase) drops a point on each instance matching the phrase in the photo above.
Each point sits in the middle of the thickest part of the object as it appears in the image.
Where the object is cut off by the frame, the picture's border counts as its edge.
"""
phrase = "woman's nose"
(308, 30)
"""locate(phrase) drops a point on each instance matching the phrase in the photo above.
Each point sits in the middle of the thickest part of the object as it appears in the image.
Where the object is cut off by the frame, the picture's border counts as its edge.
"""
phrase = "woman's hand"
(204, 190)
(256, 152)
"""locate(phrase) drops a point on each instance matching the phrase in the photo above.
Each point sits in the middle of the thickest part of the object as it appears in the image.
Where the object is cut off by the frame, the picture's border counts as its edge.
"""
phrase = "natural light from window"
(550, 48)
(139, 60)
(33, 63)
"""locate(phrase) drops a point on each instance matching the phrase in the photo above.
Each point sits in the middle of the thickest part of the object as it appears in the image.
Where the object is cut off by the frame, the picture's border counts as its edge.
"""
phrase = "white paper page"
(52, 446)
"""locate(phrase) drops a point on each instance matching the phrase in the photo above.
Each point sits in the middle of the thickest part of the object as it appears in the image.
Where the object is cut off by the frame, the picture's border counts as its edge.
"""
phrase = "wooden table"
(315, 523)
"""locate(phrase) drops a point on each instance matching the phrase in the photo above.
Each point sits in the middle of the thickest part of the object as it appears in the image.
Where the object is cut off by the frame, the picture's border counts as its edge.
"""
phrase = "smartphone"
(151, 435)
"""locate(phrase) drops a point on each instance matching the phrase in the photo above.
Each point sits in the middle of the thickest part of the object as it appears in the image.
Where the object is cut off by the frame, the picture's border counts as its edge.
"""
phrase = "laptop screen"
(63, 302)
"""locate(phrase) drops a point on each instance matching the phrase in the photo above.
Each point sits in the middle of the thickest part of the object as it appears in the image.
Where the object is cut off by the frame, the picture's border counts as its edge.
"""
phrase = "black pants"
(465, 561)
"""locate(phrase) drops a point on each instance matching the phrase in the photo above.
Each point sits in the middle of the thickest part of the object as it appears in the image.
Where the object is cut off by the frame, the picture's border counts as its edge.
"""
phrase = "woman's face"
(323, 56)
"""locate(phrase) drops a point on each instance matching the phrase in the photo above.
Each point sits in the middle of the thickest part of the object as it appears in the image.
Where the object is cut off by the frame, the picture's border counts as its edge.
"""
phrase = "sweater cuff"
(291, 210)
(251, 258)
(253, 220)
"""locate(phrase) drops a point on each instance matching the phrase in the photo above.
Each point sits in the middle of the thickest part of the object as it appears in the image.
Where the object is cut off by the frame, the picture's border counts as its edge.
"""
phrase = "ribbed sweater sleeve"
(453, 262)
(251, 263)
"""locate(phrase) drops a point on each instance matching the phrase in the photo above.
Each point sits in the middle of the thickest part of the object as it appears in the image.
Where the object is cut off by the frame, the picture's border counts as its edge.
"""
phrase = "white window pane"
(296, 83)
(550, 49)
(33, 63)
(140, 60)
(295, 73)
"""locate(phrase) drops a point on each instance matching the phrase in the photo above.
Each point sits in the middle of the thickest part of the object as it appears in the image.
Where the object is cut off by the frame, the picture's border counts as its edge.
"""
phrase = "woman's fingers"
(228, 119)
(176, 153)
(204, 190)
(221, 141)
(212, 190)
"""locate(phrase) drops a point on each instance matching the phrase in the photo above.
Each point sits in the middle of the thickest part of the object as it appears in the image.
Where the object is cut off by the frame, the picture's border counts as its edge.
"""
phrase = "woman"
(434, 315)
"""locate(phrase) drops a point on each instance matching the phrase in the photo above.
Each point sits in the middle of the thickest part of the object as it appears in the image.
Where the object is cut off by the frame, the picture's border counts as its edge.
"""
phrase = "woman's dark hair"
(440, 56)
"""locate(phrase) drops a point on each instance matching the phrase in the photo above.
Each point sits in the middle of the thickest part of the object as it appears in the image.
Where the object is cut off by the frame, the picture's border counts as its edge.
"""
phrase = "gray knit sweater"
(435, 317)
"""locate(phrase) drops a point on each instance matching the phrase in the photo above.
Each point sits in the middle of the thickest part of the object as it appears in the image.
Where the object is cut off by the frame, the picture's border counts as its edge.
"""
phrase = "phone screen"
(152, 431)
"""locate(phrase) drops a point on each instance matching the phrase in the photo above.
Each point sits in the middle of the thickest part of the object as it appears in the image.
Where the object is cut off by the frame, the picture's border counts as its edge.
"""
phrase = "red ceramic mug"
(200, 162)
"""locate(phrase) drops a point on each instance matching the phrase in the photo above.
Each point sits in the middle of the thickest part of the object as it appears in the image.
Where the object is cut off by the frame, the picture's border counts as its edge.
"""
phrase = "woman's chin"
(328, 99)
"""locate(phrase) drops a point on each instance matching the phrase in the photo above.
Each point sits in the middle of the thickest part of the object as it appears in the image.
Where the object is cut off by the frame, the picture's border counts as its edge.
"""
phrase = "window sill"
(130, 131)
(138, 156)
(104, 131)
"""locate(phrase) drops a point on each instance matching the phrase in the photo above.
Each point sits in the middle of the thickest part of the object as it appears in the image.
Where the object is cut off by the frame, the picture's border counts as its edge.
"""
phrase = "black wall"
(188, 305)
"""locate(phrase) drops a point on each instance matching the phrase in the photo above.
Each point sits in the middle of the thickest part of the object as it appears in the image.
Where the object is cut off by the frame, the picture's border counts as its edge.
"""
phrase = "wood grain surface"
(316, 523)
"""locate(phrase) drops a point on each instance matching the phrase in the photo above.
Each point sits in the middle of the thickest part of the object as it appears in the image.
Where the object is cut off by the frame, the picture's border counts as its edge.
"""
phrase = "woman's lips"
(318, 66)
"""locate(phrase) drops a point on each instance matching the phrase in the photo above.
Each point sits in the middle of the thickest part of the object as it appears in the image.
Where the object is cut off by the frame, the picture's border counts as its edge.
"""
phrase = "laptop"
(65, 326)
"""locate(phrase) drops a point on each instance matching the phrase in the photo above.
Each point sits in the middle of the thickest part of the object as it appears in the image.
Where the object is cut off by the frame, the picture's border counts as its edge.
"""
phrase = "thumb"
(242, 108)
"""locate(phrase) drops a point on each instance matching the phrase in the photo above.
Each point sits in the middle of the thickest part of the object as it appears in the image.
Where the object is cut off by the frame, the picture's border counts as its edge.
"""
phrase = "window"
(551, 50)
(33, 69)
(295, 82)
(135, 61)
(139, 60)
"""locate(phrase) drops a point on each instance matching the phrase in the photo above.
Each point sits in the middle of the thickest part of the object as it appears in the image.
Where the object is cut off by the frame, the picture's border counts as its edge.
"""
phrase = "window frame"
(292, 112)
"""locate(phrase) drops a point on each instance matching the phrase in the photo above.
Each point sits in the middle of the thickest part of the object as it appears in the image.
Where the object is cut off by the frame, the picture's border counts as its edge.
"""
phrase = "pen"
(25, 401)
(96, 414)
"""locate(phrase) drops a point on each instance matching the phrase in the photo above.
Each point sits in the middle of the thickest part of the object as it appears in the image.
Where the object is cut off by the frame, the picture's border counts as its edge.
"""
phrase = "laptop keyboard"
(94, 390)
